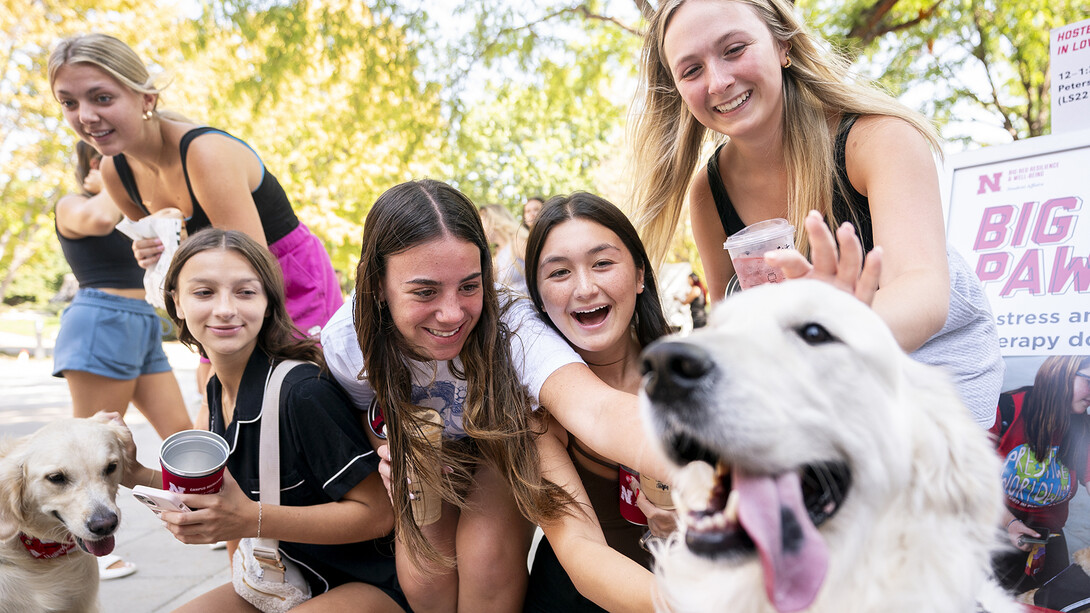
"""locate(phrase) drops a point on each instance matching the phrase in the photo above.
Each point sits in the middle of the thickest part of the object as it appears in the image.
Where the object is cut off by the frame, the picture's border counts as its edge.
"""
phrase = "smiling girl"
(153, 161)
(429, 329)
(591, 280)
(797, 132)
(225, 293)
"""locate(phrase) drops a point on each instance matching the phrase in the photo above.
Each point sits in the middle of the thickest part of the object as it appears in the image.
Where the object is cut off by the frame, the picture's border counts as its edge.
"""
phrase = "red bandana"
(45, 550)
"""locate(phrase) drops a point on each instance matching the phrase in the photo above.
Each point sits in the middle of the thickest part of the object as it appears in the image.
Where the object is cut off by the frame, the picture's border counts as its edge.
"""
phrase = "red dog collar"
(45, 550)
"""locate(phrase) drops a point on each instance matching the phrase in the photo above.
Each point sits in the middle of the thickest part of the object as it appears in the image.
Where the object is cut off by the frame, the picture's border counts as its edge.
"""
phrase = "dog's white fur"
(90, 455)
(918, 527)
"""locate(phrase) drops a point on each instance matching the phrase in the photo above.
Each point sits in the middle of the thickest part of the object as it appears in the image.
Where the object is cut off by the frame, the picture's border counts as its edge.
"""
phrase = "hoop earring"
(788, 63)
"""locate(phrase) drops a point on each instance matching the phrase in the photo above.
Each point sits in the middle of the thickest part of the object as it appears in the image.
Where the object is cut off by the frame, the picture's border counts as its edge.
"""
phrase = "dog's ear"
(12, 484)
(121, 437)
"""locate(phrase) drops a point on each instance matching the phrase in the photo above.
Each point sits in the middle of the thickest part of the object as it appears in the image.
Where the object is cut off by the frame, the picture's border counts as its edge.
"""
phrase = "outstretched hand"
(845, 270)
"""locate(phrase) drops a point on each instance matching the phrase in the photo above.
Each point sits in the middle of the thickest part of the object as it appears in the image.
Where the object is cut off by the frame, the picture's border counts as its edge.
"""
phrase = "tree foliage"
(345, 98)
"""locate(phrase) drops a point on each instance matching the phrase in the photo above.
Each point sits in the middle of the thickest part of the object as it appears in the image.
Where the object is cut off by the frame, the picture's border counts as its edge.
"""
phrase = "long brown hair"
(667, 139)
(1047, 411)
(279, 337)
(497, 416)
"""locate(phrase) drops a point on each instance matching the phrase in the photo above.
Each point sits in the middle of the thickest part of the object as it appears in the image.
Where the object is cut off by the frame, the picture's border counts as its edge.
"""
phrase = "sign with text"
(1016, 212)
(1069, 49)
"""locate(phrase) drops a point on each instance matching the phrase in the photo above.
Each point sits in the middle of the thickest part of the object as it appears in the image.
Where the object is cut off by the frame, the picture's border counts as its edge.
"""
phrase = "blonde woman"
(502, 230)
(799, 134)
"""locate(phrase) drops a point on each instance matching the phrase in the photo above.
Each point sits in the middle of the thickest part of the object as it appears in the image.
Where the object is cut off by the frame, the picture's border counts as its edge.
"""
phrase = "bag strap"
(266, 550)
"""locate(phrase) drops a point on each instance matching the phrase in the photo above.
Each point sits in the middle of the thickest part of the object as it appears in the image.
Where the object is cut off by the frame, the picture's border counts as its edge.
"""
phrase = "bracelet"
(258, 519)
(1011, 522)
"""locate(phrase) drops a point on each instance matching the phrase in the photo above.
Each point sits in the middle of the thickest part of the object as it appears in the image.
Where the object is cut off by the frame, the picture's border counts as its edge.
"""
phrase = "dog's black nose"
(102, 523)
(673, 369)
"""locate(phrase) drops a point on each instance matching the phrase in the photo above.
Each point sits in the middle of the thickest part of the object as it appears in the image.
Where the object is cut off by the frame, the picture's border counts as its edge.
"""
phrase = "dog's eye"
(111, 468)
(57, 479)
(814, 334)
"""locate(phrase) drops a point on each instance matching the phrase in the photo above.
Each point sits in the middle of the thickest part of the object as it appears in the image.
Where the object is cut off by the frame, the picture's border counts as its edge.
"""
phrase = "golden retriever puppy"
(57, 490)
(824, 469)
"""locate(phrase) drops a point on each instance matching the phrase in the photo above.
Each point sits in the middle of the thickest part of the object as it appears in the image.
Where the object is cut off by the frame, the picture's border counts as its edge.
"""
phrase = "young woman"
(110, 347)
(1043, 435)
(153, 161)
(801, 135)
(697, 299)
(225, 293)
(502, 230)
(428, 324)
(591, 280)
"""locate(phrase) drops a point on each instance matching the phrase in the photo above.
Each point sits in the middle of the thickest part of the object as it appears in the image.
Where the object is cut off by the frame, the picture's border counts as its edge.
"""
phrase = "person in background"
(531, 209)
(109, 348)
(1043, 437)
(502, 230)
(697, 300)
(225, 293)
(799, 134)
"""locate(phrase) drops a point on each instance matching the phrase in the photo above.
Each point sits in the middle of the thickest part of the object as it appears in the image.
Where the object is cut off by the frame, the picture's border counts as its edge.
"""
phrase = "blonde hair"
(819, 84)
(501, 222)
(107, 53)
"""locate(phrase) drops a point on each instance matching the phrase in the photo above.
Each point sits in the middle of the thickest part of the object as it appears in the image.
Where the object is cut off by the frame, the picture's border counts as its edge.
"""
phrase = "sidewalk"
(169, 573)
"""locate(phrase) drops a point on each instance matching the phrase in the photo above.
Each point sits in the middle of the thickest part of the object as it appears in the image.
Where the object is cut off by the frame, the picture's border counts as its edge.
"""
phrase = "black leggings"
(1010, 566)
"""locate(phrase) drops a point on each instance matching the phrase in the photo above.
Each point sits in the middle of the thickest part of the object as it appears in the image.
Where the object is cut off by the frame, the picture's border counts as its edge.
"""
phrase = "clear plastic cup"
(748, 246)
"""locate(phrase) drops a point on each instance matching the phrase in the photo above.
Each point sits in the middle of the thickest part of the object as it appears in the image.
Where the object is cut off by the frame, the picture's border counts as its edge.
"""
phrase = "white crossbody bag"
(259, 574)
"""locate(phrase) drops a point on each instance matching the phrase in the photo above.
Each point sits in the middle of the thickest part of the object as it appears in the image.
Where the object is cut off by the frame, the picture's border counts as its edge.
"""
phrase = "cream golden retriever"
(825, 470)
(57, 490)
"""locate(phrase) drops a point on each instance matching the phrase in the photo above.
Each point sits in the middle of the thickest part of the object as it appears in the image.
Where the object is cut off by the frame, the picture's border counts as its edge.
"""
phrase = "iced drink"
(748, 246)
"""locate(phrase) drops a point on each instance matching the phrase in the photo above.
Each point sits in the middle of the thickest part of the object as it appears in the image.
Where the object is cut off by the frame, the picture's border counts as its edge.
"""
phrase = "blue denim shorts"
(108, 335)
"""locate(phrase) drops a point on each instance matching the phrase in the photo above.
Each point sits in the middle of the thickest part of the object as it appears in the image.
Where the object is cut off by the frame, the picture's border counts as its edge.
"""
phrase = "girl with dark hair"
(697, 299)
(590, 279)
(225, 293)
(429, 328)
(1043, 435)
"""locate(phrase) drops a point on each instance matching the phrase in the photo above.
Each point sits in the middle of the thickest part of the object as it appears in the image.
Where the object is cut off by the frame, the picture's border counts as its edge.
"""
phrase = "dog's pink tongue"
(795, 569)
(101, 547)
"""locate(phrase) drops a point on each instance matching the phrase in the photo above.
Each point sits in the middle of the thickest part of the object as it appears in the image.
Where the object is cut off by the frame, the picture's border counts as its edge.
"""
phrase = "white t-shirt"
(537, 350)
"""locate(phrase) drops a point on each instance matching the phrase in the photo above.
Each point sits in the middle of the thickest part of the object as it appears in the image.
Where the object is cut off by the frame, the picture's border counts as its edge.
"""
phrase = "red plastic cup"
(193, 462)
(630, 488)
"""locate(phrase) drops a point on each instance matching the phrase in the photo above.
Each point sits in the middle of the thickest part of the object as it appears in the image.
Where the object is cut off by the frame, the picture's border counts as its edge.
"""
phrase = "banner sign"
(1069, 52)
(1017, 214)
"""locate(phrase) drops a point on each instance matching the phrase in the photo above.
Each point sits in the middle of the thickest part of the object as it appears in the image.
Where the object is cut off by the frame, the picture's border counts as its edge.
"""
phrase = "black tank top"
(273, 207)
(853, 207)
(102, 261)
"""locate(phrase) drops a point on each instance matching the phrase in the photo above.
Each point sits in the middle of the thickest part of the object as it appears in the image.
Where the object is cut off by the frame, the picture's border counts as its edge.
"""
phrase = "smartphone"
(158, 500)
(1032, 540)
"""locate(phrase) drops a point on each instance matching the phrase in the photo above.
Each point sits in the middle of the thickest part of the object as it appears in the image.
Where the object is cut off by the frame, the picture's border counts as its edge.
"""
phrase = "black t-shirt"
(324, 453)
